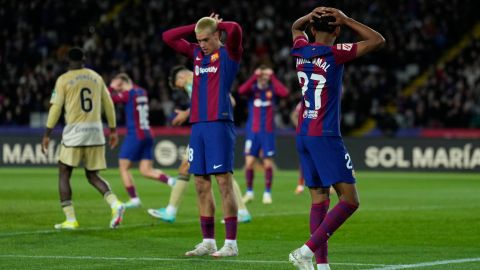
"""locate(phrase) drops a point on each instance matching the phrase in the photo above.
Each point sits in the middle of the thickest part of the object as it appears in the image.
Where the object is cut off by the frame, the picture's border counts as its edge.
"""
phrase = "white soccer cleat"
(299, 261)
(202, 249)
(117, 215)
(248, 197)
(267, 198)
(67, 225)
(133, 203)
(228, 250)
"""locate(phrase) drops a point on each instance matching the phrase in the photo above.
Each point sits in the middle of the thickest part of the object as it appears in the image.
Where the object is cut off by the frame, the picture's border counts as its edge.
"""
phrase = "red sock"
(163, 178)
(317, 214)
(249, 177)
(231, 228)
(131, 191)
(268, 179)
(208, 227)
(332, 221)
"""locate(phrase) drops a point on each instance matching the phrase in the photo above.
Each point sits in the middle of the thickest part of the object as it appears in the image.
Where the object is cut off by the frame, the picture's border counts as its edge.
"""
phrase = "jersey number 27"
(320, 81)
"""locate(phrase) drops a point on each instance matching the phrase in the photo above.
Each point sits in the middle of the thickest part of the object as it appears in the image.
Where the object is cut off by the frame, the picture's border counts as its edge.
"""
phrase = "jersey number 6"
(86, 99)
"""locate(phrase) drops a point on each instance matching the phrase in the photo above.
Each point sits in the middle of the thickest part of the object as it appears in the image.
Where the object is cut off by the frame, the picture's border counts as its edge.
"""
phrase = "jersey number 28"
(320, 81)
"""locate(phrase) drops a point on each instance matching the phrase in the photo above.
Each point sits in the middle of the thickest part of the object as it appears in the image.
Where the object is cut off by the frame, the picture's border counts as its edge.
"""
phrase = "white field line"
(99, 258)
(427, 264)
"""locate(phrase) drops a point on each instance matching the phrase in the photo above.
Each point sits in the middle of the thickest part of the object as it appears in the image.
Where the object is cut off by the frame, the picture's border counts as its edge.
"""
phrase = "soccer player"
(212, 139)
(262, 90)
(138, 144)
(83, 95)
(181, 78)
(323, 156)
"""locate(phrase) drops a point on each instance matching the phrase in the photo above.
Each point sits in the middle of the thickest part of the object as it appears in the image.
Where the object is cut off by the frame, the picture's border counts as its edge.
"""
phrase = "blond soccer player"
(82, 93)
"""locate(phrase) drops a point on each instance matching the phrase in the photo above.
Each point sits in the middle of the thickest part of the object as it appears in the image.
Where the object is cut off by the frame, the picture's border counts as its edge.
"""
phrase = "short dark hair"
(173, 74)
(323, 24)
(76, 54)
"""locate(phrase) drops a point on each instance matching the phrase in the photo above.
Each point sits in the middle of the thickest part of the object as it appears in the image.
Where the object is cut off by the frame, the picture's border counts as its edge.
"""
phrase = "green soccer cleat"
(67, 225)
(162, 214)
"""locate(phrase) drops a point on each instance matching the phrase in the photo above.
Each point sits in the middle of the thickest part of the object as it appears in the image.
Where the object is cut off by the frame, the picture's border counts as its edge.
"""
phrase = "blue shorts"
(211, 148)
(264, 141)
(135, 150)
(325, 161)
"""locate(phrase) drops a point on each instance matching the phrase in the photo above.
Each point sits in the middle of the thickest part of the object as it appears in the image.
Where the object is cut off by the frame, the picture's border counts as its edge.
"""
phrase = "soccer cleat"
(299, 261)
(228, 250)
(202, 249)
(67, 225)
(117, 215)
(162, 214)
(133, 203)
(248, 197)
(299, 189)
(267, 198)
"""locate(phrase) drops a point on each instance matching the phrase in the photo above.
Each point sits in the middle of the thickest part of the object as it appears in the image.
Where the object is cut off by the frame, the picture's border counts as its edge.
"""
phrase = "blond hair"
(206, 24)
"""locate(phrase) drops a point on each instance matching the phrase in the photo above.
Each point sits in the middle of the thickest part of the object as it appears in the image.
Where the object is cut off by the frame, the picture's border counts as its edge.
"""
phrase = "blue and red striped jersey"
(213, 77)
(261, 103)
(136, 111)
(320, 71)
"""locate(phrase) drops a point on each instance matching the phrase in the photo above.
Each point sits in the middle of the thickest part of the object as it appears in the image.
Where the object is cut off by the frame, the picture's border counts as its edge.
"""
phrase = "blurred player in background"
(181, 78)
(323, 156)
(138, 143)
(262, 90)
(212, 139)
(301, 182)
(83, 95)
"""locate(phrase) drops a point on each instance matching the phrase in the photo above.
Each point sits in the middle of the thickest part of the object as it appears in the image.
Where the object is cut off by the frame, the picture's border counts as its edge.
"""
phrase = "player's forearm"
(53, 115)
(246, 87)
(367, 34)
(110, 113)
(175, 38)
(280, 89)
(234, 38)
(300, 24)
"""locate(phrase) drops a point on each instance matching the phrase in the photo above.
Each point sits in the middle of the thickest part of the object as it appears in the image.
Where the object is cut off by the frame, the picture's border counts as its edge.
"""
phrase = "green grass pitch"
(406, 220)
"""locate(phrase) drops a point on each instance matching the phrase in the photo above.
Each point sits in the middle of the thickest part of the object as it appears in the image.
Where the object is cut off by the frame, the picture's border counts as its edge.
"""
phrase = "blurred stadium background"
(413, 106)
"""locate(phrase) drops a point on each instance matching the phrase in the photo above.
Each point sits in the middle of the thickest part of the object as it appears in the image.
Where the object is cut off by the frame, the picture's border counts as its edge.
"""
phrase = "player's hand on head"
(258, 72)
(269, 72)
(339, 16)
(115, 84)
(216, 16)
(317, 12)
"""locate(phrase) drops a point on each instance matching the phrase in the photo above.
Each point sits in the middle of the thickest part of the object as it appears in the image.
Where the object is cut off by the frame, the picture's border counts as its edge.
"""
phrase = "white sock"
(171, 210)
(135, 200)
(323, 266)
(249, 193)
(230, 242)
(209, 241)
(306, 251)
(242, 212)
(171, 181)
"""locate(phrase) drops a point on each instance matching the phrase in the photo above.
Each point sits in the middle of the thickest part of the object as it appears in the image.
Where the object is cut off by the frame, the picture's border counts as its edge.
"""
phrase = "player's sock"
(171, 210)
(131, 191)
(231, 228)
(111, 199)
(332, 221)
(268, 179)
(68, 210)
(208, 227)
(163, 178)
(249, 176)
(177, 192)
(317, 215)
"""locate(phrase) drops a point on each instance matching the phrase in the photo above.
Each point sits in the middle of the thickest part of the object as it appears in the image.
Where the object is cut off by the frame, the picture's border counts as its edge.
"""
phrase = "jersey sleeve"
(175, 38)
(300, 41)
(246, 87)
(108, 107)
(234, 39)
(118, 97)
(344, 52)
(58, 94)
(278, 87)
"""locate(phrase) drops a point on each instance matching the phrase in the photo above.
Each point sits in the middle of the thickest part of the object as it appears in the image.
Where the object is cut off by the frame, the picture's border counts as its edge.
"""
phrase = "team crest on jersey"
(214, 57)
(310, 114)
(269, 94)
(345, 46)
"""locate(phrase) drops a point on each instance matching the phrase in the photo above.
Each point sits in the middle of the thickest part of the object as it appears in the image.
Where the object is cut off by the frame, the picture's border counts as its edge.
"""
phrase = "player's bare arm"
(371, 39)
(299, 26)
(113, 138)
(181, 117)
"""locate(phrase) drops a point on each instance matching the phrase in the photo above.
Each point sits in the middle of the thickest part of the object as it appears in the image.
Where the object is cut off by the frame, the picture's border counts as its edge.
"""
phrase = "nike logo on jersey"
(217, 166)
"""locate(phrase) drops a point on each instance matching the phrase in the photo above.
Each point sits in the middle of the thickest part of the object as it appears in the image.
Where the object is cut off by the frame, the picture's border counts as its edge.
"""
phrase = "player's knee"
(144, 171)
(91, 176)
